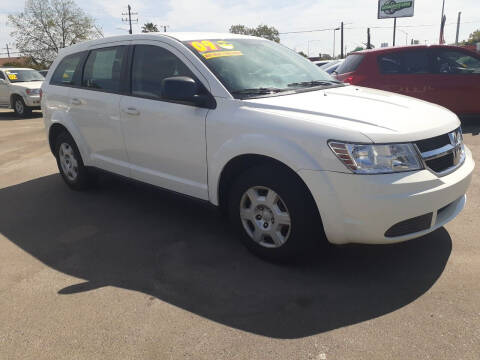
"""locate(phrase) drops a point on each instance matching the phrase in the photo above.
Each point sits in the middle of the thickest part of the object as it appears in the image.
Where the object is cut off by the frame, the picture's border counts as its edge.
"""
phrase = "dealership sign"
(395, 8)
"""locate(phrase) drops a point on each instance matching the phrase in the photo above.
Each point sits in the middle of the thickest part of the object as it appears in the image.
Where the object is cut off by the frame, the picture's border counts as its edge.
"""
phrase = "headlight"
(33, 91)
(376, 159)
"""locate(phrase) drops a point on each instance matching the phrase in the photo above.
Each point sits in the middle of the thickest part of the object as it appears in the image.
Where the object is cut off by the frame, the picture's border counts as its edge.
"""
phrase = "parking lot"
(128, 271)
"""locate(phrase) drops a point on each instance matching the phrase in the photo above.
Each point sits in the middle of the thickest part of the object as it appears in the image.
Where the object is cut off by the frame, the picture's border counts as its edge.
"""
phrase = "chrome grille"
(442, 154)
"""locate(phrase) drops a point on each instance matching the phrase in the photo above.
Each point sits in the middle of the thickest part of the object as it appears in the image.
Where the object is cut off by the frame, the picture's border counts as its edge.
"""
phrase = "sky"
(285, 15)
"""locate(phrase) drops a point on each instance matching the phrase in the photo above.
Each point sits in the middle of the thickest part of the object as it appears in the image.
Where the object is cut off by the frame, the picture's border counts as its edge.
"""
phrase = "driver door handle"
(131, 111)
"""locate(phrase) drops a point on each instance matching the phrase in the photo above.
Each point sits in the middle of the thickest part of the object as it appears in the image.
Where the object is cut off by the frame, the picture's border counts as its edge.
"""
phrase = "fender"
(281, 149)
(62, 118)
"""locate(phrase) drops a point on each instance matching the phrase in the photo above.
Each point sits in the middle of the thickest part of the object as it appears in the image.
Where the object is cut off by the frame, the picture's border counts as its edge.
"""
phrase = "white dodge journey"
(293, 156)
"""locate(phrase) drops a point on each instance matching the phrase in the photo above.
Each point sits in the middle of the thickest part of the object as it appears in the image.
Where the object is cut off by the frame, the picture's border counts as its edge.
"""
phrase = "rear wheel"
(70, 163)
(20, 108)
(274, 213)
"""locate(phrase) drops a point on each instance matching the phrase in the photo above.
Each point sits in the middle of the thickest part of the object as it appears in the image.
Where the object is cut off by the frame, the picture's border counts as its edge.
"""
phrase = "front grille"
(433, 143)
(443, 153)
(441, 164)
(410, 226)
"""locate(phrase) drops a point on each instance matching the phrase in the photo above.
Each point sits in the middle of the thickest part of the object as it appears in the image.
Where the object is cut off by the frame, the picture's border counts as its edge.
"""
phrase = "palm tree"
(149, 27)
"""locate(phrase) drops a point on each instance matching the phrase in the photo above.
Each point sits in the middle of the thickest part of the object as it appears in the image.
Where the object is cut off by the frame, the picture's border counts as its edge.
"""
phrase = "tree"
(303, 54)
(358, 48)
(264, 31)
(473, 38)
(149, 27)
(46, 26)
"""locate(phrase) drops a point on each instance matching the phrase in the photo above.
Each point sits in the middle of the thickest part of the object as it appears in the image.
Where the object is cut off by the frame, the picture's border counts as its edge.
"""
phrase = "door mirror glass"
(179, 88)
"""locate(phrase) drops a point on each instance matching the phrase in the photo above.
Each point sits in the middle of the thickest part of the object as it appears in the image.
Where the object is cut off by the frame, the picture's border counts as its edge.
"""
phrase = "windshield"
(250, 67)
(23, 75)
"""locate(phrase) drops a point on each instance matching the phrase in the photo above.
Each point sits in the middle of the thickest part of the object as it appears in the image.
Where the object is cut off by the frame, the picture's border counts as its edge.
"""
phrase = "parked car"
(330, 68)
(20, 89)
(445, 75)
(259, 131)
(321, 63)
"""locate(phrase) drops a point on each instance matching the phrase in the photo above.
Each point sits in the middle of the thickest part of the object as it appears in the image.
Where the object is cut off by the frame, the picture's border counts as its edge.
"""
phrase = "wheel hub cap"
(265, 217)
(68, 161)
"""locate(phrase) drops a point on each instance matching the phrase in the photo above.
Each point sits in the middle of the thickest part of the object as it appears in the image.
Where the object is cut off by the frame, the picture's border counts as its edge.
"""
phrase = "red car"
(445, 75)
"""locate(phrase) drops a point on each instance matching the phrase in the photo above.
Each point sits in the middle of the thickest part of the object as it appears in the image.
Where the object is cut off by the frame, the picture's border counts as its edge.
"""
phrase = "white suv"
(20, 89)
(250, 126)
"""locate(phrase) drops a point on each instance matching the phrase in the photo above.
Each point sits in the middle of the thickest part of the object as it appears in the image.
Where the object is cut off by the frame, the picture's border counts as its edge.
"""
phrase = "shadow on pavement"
(180, 251)
(8, 115)
(471, 126)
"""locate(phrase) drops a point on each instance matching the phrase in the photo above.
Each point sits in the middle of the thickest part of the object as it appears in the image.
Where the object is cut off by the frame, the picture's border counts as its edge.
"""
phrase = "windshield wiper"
(258, 91)
(315, 83)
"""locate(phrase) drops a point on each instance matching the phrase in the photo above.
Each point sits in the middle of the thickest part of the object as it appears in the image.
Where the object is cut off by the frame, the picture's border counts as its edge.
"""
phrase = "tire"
(21, 110)
(263, 224)
(70, 164)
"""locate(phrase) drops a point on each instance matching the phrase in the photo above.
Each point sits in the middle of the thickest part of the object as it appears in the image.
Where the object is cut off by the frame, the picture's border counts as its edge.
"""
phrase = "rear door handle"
(131, 111)
(75, 101)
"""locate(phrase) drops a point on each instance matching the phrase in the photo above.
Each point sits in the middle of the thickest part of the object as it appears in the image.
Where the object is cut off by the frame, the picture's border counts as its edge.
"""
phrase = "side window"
(407, 62)
(390, 63)
(455, 62)
(103, 69)
(67, 69)
(2, 76)
(152, 64)
(415, 62)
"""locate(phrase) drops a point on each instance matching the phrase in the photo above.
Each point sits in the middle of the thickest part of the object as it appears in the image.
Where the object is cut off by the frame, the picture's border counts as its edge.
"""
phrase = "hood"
(381, 116)
(29, 84)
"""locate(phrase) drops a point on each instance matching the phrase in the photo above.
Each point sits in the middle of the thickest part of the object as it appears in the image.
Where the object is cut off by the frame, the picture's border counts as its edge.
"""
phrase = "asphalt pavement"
(128, 271)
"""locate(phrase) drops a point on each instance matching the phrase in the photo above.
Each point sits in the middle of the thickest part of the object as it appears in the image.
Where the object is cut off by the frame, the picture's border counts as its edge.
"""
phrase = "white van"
(294, 156)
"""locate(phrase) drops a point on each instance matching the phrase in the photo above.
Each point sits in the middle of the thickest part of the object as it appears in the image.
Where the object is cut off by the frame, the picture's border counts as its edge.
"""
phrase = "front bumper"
(32, 101)
(361, 208)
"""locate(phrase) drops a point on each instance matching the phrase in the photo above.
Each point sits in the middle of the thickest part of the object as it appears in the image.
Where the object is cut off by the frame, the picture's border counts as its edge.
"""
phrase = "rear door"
(406, 72)
(456, 80)
(94, 106)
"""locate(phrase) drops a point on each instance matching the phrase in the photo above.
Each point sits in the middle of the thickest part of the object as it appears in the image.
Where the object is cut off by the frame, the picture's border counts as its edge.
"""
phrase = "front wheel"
(20, 108)
(274, 213)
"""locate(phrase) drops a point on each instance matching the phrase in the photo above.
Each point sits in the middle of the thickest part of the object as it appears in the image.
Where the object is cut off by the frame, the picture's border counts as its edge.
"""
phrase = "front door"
(4, 90)
(165, 140)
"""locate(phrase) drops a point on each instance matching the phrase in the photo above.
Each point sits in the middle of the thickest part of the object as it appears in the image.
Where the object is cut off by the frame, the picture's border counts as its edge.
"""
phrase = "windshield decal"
(215, 49)
(11, 76)
(217, 54)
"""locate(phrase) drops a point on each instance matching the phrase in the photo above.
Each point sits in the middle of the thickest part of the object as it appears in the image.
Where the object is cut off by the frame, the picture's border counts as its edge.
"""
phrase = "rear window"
(406, 62)
(67, 69)
(350, 64)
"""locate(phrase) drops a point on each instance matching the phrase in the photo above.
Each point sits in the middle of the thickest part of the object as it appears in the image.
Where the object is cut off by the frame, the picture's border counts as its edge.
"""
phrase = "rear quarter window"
(68, 71)
(350, 64)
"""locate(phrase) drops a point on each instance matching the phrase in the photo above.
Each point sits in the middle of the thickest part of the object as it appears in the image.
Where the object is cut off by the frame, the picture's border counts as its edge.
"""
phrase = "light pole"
(308, 46)
(334, 41)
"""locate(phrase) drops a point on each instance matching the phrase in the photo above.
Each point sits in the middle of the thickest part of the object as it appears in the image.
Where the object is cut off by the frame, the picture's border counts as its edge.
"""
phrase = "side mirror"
(184, 88)
(180, 88)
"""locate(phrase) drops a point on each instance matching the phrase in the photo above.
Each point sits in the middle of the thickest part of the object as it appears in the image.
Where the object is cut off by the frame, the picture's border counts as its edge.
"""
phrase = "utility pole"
(441, 22)
(165, 27)
(369, 44)
(341, 46)
(394, 29)
(129, 19)
(458, 27)
(8, 51)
